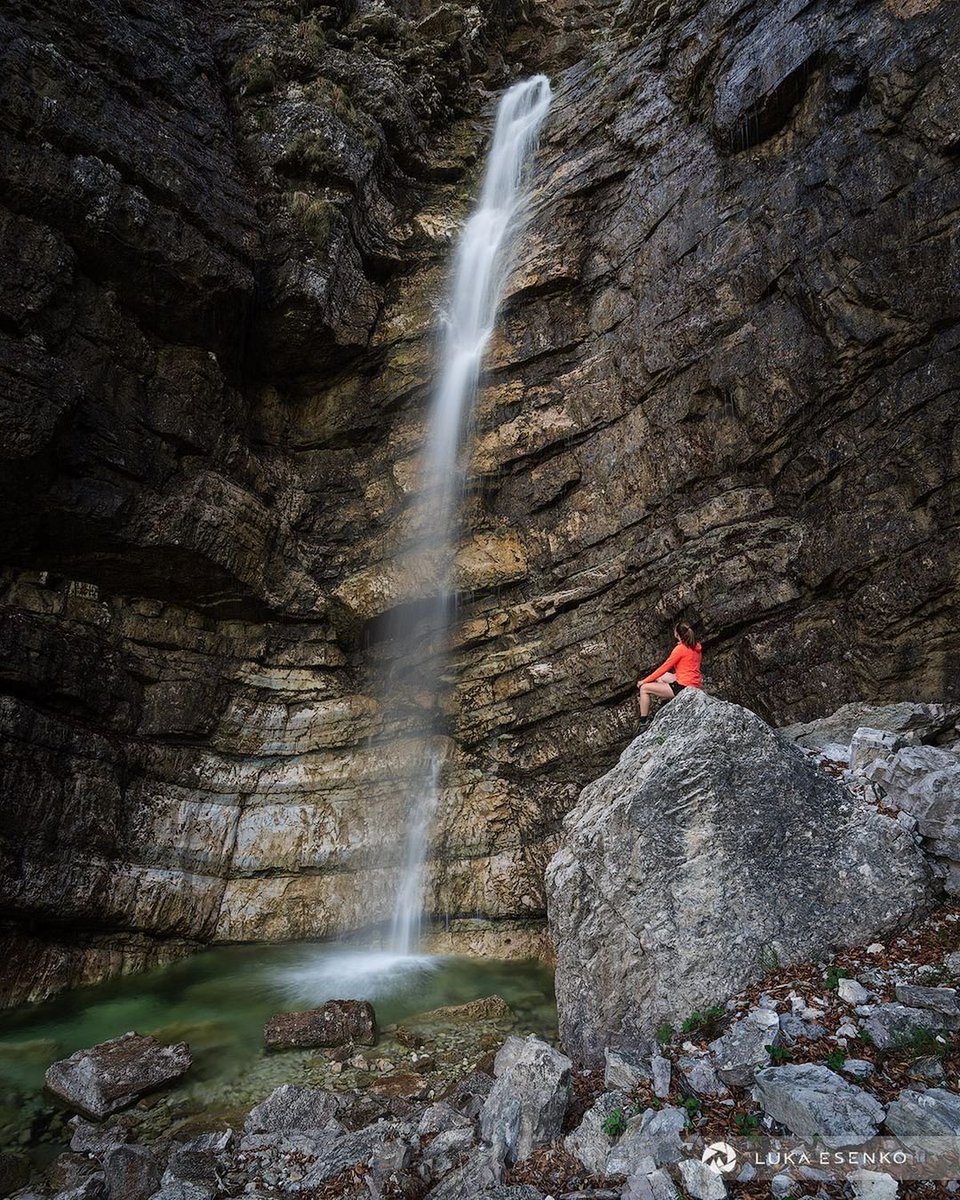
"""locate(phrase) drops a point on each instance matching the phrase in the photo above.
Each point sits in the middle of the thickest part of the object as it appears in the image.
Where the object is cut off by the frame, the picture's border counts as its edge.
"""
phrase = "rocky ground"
(816, 1048)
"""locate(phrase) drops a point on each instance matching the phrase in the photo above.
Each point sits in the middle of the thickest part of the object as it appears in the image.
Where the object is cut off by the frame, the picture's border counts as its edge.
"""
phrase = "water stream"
(482, 263)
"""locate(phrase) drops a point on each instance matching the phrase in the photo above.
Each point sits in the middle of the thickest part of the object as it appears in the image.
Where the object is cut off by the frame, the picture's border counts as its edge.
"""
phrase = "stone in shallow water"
(332, 1024)
(813, 1101)
(113, 1074)
(487, 1008)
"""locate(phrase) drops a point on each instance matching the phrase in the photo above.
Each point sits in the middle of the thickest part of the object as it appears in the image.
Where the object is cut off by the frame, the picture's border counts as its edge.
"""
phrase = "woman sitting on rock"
(682, 669)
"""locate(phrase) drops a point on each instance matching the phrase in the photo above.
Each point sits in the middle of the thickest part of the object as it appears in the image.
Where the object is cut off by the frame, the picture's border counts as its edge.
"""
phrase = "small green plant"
(746, 1123)
(918, 1040)
(836, 1059)
(866, 1037)
(779, 1054)
(703, 1022)
(692, 1106)
(665, 1034)
(834, 975)
(615, 1123)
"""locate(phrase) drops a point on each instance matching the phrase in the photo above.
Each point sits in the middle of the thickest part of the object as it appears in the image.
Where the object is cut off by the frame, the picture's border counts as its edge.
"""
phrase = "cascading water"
(481, 266)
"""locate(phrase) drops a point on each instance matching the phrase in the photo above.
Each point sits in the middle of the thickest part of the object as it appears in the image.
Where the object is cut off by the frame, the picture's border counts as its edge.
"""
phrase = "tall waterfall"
(481, 266)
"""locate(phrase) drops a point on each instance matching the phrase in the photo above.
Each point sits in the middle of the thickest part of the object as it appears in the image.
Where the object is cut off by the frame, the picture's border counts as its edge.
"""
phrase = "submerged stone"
(332, 1024)
(114, 1074)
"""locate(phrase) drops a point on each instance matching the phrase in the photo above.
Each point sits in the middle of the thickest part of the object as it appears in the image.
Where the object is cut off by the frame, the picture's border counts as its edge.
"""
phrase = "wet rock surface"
(114, 1074)
(335, 1023)
(723, 384)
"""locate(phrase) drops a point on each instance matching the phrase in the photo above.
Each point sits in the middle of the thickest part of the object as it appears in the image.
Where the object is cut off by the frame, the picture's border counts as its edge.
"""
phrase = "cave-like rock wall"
(725, 386)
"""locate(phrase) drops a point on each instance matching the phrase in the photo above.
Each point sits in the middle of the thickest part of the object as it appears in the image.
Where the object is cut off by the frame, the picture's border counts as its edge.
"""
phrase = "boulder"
(447, 1149)
(814, 1102)
(940, 1000)
(892, 1025)
(480, 1174)
(112, 1075)
(293, 1108)
(743, 1048)
(131, 1173)
(438, 1118)
(662, 1073)
(528, 1101)
(625, 1069)
(932, 1113)
(332, 1024)
(713, 850)
(700, 1077)
(588, 1143)
(653, 1136)
(922, 721)
(655, 1185)
(700, 1181)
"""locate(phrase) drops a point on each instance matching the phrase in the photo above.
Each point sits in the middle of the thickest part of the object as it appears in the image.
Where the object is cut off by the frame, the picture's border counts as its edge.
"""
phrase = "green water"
(218, 1001)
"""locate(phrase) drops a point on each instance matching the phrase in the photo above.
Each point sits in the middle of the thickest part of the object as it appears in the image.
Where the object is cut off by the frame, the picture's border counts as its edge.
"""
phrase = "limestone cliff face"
(724, 386)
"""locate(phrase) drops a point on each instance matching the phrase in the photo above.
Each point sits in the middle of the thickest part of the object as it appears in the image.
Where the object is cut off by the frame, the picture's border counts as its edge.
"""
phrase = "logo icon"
(721, 1156)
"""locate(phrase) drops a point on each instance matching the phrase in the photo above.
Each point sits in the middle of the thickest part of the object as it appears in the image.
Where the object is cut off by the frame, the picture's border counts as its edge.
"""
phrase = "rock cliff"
(724, 385)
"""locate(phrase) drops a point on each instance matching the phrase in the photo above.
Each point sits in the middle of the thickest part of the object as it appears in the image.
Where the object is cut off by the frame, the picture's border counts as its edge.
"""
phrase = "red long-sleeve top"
(685, 664)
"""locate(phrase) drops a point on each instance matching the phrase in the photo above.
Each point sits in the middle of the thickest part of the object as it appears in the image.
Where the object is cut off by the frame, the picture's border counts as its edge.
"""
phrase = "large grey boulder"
(529, 1099)
(813, 1101)
(933, 1113)
(112, 1075)
(714, 850)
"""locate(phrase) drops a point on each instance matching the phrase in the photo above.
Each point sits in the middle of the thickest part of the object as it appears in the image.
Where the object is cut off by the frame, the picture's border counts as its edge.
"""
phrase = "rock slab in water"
(332, 1024)
(112, 1075)
(714, 850)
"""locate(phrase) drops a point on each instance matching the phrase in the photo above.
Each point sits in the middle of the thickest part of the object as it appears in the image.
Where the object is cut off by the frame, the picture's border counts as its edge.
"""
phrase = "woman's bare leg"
(657, 688)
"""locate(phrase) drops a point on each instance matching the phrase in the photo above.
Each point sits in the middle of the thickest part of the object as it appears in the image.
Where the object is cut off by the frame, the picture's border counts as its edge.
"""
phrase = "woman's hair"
(685, 633)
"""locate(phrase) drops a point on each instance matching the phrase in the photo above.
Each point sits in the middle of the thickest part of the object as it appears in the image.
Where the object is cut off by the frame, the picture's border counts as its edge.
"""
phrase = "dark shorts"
(677, 688)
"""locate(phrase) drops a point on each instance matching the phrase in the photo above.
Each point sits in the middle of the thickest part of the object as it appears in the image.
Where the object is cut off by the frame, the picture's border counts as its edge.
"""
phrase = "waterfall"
(481, 265)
